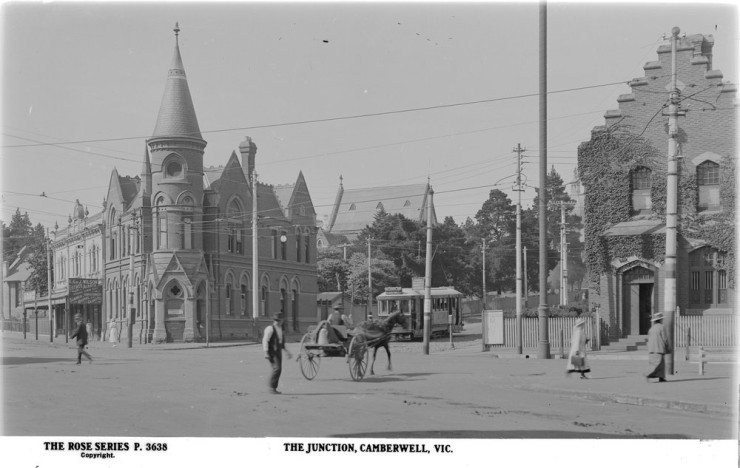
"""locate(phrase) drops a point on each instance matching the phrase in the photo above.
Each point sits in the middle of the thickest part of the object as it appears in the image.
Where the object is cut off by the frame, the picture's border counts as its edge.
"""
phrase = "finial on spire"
(177, 29)
(340, 179)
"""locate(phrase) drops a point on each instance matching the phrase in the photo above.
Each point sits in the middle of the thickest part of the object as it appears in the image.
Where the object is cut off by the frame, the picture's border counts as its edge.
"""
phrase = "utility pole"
(518, 188)
(543, 345)
(370, 312)
(131, 285)
(49, 287)
(483, 270)
(255, 256)
(526, 286)
(669, 288)
(563, 253)
(428, 276)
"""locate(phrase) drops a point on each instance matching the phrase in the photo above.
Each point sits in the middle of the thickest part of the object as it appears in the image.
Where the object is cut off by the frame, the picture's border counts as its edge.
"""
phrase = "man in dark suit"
(273, 343)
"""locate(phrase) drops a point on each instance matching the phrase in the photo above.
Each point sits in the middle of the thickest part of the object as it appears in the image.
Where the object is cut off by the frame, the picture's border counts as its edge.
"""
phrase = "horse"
(380, 330)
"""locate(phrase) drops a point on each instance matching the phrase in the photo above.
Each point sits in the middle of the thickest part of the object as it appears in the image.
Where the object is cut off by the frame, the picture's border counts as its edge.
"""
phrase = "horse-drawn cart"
(325, 340)
(353, 348)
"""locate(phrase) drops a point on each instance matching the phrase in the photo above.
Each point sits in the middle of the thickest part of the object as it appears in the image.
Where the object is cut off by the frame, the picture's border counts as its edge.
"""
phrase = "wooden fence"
(560, 330)
(706, 330)
(17, 326)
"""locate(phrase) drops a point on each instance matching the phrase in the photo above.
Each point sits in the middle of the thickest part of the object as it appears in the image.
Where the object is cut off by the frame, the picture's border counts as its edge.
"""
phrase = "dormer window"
(641, 184)
(352, 207)
(407, 204)
(379, 206)
(707, 178)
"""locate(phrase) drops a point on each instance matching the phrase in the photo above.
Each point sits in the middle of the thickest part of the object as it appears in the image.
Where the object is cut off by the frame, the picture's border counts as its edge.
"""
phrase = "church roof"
(176, 112)
(357, 207)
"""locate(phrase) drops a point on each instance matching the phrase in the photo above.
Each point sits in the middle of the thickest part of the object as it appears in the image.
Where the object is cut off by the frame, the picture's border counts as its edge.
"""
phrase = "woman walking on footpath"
(577, 355)
(658, 347)
(81, 335)
(273, 343)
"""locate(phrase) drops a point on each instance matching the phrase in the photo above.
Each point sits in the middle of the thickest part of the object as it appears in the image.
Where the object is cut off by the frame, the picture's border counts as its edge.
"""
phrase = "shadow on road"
(13, 361)
(696, 379)
(465, 434)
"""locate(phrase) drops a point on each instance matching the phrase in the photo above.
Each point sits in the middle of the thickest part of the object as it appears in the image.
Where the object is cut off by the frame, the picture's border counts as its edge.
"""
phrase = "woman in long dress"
(578, 343)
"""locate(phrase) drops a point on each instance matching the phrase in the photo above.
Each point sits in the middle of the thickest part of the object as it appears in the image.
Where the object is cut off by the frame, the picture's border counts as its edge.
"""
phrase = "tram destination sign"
(84, 291)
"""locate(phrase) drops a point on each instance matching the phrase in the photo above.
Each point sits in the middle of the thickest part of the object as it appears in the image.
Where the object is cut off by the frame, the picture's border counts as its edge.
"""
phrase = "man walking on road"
(658, 347)
(81, 335)
(273, 343)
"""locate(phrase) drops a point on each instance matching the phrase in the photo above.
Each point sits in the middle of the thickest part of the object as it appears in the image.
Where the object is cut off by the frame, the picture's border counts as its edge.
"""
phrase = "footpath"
(615, 377)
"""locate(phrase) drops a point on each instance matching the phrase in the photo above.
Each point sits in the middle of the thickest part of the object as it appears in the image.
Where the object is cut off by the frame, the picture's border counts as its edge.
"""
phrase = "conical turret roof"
(176, 112)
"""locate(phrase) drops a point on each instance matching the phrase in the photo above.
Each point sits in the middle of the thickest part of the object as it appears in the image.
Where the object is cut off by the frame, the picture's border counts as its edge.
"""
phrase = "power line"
(333, 119)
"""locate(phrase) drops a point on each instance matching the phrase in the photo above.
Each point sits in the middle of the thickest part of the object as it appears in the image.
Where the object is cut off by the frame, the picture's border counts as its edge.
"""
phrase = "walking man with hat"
(658, 347)
(273, 343)
(81, 335)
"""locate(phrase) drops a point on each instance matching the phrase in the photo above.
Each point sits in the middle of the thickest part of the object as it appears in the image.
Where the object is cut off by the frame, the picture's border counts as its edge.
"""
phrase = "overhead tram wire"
(332, 119)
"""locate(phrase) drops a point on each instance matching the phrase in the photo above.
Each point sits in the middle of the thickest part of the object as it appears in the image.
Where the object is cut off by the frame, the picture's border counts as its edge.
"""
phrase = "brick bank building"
(176, 240)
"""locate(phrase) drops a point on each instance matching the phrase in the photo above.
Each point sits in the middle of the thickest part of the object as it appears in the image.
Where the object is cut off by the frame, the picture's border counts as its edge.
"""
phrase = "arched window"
(298, 246)
(161, 224)
(283, 245)
(235, 220)
(112, 234)
(264, 301)
(641, 183)
(275, 246)
(708, 278)
(245, 298)
(307, 247)
(187, 224)
(173, 167)
(707, 178)
(228, 297)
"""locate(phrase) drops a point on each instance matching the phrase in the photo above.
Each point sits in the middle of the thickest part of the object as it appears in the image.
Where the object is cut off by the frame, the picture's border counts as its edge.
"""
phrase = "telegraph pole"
(483, 270)
(49, 287)
(518, 188)
(370, 314)
(543, 345)
(526, 286)
(131, 285)
(428, 276)
(669, 288)
(255, 256)
(563, 253)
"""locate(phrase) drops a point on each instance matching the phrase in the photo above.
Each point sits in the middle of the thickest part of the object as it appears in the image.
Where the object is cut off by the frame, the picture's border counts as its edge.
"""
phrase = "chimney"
(248, 150)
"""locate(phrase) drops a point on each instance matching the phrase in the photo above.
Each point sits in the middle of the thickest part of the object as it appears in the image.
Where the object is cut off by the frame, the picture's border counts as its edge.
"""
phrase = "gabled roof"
(284, 195)
(356, 208)
(20, 269)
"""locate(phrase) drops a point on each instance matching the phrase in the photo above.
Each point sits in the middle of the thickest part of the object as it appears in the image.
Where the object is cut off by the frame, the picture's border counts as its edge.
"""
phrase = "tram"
(446, 306)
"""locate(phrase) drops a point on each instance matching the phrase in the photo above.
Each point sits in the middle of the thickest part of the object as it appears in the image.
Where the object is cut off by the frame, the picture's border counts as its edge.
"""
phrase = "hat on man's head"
(278, 316)
(338, 307)
(656, 317)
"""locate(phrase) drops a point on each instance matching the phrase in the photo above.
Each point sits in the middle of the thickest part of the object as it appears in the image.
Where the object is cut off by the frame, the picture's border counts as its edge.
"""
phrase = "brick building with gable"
(627, 244)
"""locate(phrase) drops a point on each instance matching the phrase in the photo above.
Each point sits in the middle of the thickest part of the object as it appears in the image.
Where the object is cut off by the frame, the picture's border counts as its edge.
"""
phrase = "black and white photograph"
(448, 233)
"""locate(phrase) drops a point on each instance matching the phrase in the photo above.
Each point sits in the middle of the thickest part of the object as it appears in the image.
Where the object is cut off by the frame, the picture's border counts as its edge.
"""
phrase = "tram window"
(405, 306)
(384, 306)
(413, 305)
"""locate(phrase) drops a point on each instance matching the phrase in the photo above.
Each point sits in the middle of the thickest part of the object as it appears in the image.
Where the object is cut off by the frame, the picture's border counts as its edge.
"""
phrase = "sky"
(377, 93)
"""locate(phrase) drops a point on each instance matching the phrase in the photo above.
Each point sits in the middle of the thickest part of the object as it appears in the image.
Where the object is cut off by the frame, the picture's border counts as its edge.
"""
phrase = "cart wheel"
(308, 360)
(357, 357)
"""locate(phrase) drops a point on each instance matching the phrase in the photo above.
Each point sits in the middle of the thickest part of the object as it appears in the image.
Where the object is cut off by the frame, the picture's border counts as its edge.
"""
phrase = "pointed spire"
(146, 172)
(176, 112)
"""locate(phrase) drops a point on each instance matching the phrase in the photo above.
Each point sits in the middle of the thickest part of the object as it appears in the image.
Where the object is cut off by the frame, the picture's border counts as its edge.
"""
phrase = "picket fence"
(560, 330)
(706, 330)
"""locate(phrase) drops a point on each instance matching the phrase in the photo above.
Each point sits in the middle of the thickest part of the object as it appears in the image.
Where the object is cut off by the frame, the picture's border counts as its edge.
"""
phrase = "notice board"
(493, 327)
